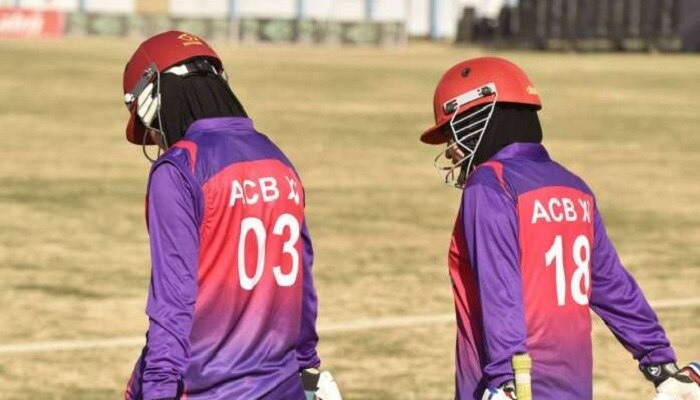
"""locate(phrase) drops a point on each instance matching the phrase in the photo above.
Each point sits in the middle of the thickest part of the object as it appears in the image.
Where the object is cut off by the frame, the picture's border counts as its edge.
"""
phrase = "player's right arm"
(174, 240)
(491, 232)
(618, 300)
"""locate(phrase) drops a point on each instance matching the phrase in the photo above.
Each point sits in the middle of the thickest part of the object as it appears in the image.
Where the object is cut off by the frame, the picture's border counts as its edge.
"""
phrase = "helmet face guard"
(148, 76)
(467, 124)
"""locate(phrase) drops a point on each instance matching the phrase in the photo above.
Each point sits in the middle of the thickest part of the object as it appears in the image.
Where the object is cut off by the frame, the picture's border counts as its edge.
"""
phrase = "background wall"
(436, 18)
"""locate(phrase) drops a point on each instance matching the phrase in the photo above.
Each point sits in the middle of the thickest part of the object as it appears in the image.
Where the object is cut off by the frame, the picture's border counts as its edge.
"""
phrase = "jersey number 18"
(582, 257)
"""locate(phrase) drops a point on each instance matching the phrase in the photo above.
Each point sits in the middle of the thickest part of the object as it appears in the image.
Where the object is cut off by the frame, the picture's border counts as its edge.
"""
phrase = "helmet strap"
(145, 151)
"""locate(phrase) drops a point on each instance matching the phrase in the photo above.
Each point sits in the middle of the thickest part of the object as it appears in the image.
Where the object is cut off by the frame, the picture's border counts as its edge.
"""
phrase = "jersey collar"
(532, 151)
(220, 124)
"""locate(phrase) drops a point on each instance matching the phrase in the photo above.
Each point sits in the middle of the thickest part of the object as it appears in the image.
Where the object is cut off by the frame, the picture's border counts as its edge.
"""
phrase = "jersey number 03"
(253, 225)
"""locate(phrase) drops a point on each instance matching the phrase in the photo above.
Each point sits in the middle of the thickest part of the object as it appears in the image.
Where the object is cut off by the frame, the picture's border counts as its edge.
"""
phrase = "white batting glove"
(503, 392)
(662, 396)
(327, 388)
(679, 387)
(672, 383)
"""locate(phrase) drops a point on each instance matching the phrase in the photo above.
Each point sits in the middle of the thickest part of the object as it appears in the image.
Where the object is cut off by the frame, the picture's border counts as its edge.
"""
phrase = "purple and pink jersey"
(231, 304)
(529, 259)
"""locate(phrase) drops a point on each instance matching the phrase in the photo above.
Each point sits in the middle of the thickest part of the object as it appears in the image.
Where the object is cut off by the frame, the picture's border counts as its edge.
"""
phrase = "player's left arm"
(317, 384)
(307, 356)
(618, 300)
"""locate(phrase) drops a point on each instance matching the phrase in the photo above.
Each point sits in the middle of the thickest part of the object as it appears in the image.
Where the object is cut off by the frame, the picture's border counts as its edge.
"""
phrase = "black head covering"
(185, 99)
(510, 123)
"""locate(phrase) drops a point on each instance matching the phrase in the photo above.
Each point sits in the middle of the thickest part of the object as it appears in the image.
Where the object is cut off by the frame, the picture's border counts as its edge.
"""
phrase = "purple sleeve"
(491, 232)
(308, 338)
(619, 301)
(174, 237)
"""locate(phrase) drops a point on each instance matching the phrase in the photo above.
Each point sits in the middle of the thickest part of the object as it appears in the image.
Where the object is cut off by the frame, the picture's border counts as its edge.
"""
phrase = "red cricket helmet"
(460, 89)
(161, 51)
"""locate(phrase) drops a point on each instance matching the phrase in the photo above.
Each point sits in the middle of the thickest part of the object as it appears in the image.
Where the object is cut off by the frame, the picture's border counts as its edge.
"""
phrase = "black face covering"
(510, 123)
(187, 99)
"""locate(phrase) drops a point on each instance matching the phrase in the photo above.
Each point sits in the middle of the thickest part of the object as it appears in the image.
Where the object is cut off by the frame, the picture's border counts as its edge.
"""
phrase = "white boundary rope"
(329, 328)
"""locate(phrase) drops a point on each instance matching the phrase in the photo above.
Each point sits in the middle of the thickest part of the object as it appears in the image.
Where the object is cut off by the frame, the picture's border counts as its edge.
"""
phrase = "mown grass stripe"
(328, 328)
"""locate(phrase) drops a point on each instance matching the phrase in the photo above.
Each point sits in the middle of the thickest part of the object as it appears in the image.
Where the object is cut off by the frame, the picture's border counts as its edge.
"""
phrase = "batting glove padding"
(674, 384)
(503, 392)
(679, 387)
(319, 385)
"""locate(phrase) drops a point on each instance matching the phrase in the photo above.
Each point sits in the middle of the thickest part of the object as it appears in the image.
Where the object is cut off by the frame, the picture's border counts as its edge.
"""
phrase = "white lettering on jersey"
(269, 190)
(539, 212)
(569, 210)
(586, 208)
(254, 198)
(293, 193)
(236, 193)
(556, 216)
(559, 209)
(265, 189)
(241, 192)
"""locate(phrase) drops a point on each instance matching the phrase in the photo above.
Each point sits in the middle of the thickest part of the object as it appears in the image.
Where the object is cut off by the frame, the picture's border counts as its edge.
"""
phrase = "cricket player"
(231, 304)
(530, 256)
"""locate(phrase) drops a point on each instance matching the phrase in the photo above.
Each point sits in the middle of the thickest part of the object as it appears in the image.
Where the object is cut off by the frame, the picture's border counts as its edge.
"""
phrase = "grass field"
(74, 251)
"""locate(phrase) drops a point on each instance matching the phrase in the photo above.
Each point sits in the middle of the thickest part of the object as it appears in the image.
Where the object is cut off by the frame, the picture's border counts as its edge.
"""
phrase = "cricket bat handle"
(522, 364)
